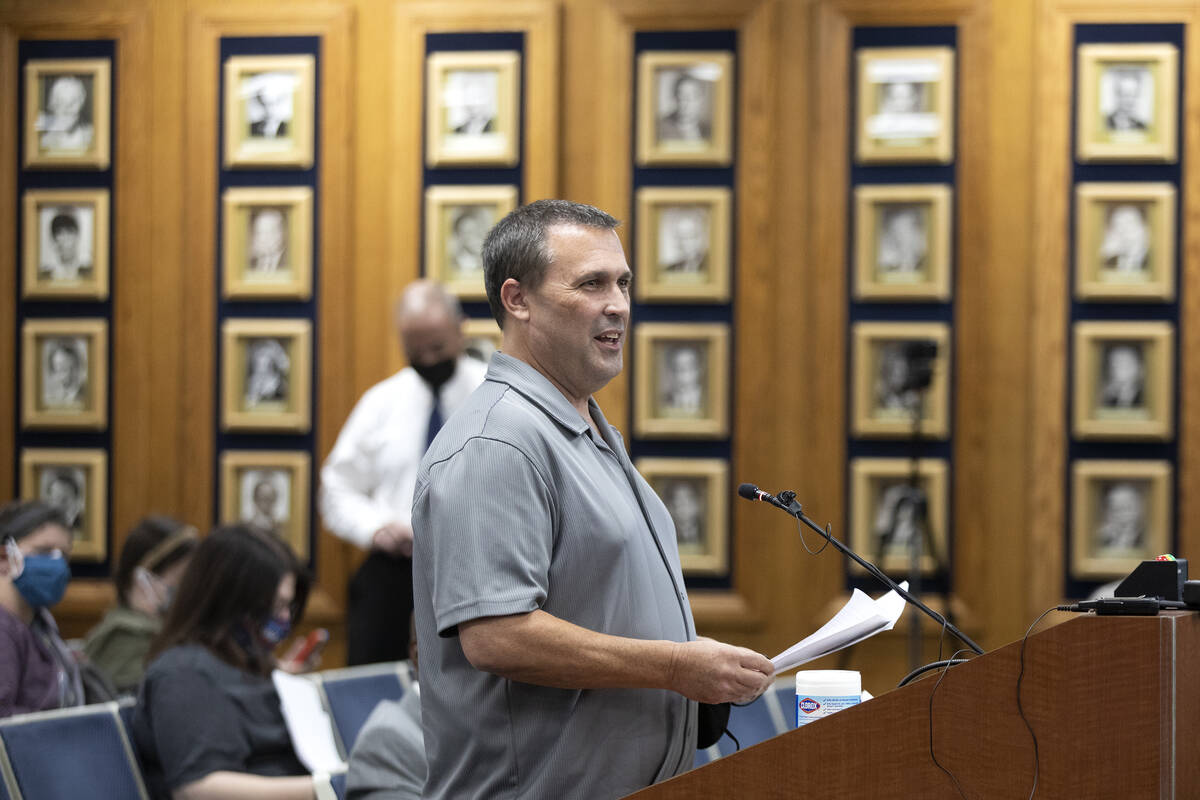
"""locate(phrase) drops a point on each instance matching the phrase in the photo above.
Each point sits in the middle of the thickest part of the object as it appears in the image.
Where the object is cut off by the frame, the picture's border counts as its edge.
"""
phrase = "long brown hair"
(227, 593)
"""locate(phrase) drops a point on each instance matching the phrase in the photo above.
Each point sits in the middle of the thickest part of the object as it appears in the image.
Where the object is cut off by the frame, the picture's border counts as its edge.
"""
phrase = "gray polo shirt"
(519, 506)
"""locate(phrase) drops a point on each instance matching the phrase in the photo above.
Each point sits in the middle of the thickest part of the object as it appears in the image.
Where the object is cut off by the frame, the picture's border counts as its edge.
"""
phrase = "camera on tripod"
(919, 356)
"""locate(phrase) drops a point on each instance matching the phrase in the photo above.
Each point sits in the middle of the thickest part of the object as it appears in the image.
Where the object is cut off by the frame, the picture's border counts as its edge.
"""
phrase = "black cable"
(803, 541)
(1020, 709)
(737, 745)
(919, 671)
(932, 755)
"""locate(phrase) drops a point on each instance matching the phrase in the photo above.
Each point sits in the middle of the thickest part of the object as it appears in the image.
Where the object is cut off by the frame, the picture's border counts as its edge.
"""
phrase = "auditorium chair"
(75, 752)
(352, 693)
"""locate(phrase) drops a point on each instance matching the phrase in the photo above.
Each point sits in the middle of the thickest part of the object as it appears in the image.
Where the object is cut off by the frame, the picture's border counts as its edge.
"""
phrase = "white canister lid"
(829, 682)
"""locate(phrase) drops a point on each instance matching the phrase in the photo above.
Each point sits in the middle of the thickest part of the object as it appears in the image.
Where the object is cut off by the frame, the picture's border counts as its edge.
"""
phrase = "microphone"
(751, 492)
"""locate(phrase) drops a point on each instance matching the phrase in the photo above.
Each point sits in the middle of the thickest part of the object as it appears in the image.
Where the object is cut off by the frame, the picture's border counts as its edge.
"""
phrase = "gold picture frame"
(905, 105)
(76, 482)
(472, 114)
(76, 132)
(883, 504)
(681, 380)
(64, 374)
(883, 360)
(481, 338)
(65, 244)
(1125, 241)
(685, 108)
(457, 218)
(267, 243)
(269, 111)
(1120, 516)
(1123, 382)
(902, 242)
(269, 490)
(266, 375)
(1126, 103)
(683, 244)
(695, 492)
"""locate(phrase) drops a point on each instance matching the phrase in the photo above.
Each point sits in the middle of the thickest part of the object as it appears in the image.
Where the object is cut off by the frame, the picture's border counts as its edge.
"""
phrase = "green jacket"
(119, 644)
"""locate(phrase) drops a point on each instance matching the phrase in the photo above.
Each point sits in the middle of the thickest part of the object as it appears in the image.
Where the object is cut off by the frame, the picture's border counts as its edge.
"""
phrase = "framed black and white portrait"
(685, 107)
(902, 246)
(67, 113)
(75, 482)
(1120, 516)
(472, 114)
(269, 111)
(1127, 99)
(694, 490)
(893, 518)
(268, 490)
(1123, 385)
(1125, 241)
(481, 338)
(457, 219)
(905, 105)
(65, 374)
(900, 375)
(267, 374)
(681, 375)
(65, 244)
(683, 244)
(267, 242)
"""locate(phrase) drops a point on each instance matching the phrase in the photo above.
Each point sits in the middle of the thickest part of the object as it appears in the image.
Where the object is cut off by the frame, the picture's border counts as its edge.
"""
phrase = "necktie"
(435, 422)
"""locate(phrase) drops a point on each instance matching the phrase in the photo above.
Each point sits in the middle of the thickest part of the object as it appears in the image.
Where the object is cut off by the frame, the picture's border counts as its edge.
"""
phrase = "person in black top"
(208, 721)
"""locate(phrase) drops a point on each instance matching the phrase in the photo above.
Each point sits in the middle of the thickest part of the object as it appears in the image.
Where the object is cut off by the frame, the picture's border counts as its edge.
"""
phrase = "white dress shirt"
(367, 481)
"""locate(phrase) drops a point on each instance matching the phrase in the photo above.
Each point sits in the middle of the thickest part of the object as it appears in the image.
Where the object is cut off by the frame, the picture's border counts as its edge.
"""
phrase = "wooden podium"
(1114, 705)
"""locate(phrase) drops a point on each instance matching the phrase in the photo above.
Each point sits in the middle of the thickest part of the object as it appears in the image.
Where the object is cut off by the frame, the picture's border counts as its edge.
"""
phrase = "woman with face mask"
(152, 561)
(208, 722)
(37, 671)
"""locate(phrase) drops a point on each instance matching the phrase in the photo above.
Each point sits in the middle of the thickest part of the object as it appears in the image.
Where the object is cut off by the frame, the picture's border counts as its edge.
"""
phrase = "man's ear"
(515, 299)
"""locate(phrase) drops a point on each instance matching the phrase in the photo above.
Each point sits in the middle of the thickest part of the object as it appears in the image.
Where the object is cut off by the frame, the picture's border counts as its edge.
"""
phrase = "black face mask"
(436, 374)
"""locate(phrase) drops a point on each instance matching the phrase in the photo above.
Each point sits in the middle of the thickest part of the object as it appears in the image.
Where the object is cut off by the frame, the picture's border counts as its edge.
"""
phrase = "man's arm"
(542, 649)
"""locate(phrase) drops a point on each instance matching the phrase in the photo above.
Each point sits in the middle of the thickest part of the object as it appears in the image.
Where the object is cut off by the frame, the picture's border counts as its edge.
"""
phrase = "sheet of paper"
(859, 619)
(307, 723)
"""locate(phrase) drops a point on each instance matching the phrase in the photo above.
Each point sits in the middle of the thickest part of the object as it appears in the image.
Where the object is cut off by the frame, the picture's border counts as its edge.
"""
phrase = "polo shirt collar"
(538, 389)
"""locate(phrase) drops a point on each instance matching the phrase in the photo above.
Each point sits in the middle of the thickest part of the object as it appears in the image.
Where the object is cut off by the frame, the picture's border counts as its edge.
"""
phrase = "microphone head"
(748, 491)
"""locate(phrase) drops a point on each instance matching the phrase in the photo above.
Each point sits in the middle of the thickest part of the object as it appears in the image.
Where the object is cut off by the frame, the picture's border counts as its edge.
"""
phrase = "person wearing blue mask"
(208, 721)
(153, 559)
(37, 671)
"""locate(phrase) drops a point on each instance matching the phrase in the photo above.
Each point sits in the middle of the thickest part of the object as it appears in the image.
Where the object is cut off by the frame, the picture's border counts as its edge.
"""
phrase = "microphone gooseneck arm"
(786, 502)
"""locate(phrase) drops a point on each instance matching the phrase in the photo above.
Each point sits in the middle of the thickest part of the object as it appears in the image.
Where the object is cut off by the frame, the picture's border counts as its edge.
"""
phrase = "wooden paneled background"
(1011, 290)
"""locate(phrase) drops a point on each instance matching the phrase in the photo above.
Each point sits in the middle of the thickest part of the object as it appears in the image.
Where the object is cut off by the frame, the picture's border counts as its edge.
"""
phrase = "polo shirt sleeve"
(485, 533)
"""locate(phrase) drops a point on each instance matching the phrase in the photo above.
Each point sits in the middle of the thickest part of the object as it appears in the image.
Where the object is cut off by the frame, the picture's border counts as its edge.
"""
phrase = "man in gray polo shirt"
(558, 654)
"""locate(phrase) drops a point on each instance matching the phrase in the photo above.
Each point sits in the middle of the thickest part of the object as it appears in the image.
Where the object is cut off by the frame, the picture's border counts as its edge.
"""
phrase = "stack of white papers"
(310, 727)
(861, 618)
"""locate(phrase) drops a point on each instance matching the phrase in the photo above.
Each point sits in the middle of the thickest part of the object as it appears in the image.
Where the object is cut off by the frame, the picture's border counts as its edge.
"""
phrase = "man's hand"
(395, 539)
(712, 672)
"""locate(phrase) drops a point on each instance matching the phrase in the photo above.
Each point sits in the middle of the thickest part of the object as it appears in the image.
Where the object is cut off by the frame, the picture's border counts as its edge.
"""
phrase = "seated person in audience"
(152, 561)
(37, 670)
(208, 722)
(388, 760)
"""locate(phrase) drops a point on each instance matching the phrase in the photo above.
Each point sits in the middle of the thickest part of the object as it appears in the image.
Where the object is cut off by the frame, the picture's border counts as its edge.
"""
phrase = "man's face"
(685, 368)
(1124, 506)
(66, 98)
(579, 316)
(689, 99)
(62, 363)
(689, 236)
(66, 243)
(62, 494)
(683, 502)
(266, 235)
(471, 230)
(1124, 365)
(1127, 89)
(431, 336)
(265, 497)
